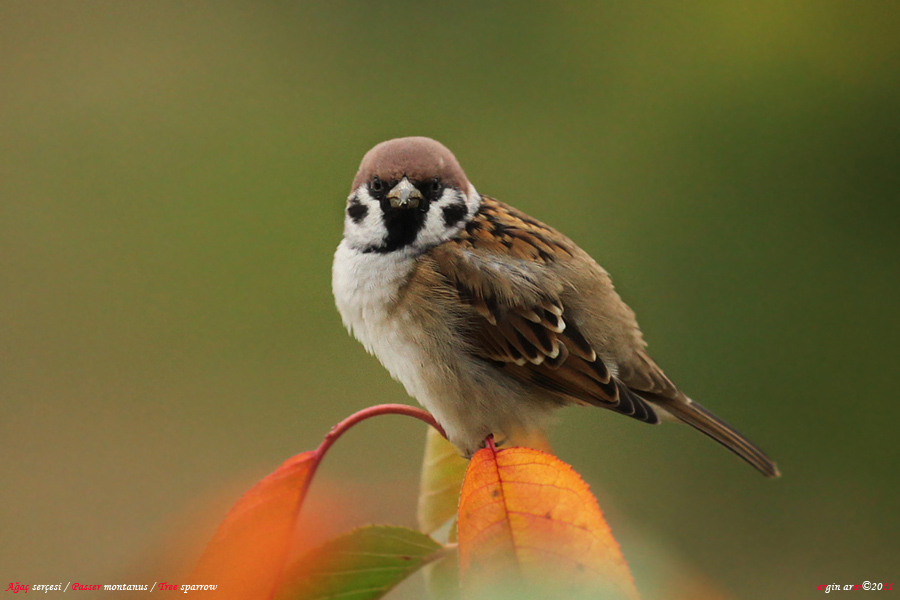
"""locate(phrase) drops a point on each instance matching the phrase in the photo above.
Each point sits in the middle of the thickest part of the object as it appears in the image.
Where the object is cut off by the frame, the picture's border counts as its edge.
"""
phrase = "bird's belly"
(404, 357)
(467, 396)
(366, 288)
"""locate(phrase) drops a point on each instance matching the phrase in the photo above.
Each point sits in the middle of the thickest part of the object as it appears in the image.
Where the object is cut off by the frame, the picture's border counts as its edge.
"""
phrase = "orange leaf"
(528, 518)
(247, 555)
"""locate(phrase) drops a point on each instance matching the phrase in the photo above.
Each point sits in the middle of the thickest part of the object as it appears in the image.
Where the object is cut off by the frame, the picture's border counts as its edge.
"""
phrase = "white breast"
(468, 397)
(365, 287)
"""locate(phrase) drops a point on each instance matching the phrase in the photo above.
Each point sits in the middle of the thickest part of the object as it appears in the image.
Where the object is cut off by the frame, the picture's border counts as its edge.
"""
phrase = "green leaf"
(443, 471)
(361, 565)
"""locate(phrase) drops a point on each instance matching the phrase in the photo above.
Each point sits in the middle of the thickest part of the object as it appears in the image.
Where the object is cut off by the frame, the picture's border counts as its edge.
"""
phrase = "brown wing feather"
(499, 266)
(642, 374)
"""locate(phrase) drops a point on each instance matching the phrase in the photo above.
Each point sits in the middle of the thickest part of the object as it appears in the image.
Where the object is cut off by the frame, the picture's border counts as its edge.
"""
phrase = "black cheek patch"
(357, 211)
(454, 213)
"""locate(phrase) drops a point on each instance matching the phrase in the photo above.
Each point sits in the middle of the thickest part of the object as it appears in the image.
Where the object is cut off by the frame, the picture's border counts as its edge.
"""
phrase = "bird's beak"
(405, 195)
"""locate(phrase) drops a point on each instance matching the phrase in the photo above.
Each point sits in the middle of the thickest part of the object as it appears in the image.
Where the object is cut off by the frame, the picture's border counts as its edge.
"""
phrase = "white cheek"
(368, 231)
(436, 229)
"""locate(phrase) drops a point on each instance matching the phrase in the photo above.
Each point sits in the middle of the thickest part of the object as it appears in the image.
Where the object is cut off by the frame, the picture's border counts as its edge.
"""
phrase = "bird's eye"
(436, 185)
(376, 185)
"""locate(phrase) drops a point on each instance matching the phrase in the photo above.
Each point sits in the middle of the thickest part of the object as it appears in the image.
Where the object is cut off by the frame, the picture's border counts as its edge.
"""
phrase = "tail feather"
(706, 422)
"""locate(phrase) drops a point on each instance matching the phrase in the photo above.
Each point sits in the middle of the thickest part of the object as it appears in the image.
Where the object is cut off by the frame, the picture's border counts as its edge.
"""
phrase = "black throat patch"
(402, 224)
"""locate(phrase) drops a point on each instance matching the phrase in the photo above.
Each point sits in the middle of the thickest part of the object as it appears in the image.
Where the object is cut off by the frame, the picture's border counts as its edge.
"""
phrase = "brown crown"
(418, 158)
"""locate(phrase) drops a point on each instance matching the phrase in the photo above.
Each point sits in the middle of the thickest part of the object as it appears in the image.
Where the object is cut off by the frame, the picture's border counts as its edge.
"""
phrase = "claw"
(491, 442)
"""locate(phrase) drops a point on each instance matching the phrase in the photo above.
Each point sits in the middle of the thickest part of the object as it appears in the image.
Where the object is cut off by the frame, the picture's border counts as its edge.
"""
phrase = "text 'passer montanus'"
(488, 317)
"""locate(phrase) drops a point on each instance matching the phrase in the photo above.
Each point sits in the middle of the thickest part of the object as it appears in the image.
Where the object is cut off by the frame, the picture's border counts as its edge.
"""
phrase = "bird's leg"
(492, 443)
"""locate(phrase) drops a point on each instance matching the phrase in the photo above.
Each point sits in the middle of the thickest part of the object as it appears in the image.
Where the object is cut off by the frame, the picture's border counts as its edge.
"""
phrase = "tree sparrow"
(490, 318)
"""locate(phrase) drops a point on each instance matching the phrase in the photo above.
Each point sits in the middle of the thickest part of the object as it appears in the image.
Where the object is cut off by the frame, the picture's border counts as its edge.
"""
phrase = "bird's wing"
(500, 267)
(642, 375)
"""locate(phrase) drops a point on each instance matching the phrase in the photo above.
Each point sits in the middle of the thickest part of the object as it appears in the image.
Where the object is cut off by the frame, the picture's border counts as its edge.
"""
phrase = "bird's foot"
(493, 442)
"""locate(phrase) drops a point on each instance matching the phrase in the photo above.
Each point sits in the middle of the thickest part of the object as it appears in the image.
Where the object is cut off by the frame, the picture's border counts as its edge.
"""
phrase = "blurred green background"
(172, 181)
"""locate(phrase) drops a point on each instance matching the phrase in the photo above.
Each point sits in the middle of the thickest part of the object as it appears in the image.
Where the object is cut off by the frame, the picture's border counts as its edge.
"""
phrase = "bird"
(488, 317)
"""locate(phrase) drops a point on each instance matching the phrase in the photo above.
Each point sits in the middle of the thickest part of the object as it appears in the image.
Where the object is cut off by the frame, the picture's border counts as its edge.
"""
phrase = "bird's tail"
(703, 420)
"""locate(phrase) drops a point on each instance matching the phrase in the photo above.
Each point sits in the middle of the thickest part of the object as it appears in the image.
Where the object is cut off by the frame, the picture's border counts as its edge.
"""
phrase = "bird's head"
(409, 194)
